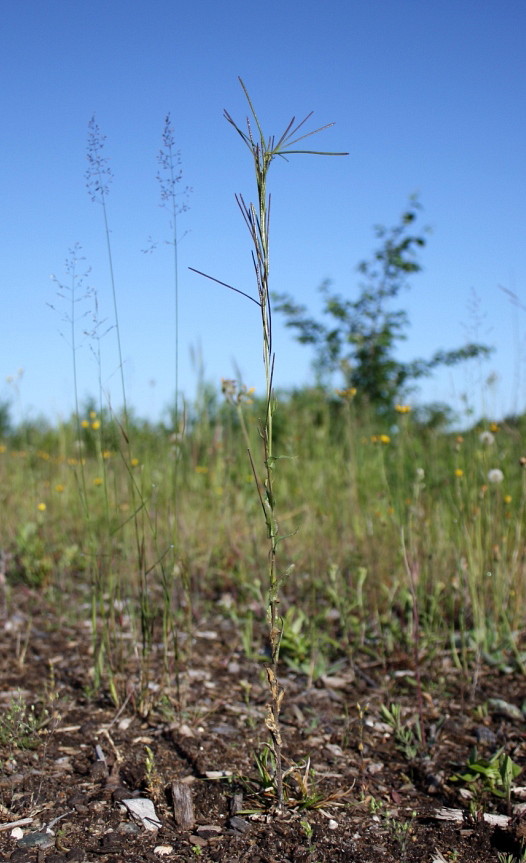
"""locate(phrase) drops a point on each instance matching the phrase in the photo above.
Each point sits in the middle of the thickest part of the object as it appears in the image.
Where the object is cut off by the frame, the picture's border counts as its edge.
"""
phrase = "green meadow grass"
(380, 521)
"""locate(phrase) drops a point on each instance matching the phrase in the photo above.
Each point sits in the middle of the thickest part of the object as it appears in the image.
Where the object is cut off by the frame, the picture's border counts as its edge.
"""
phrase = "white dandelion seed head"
(486, 438)
(495, 475)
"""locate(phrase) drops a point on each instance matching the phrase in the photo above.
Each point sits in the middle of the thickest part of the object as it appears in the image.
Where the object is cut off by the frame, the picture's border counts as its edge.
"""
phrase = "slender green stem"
(257, 220)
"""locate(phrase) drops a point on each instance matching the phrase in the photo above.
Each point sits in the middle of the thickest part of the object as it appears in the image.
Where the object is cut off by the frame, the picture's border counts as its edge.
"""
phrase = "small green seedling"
(20, 724)
(408, 738)
(495, 774)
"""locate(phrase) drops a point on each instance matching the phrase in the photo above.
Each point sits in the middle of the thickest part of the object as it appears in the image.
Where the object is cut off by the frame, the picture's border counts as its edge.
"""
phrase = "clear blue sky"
(427, 97)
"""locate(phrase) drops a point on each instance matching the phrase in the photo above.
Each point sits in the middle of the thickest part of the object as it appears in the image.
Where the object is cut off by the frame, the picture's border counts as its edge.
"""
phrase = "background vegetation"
(385, 516)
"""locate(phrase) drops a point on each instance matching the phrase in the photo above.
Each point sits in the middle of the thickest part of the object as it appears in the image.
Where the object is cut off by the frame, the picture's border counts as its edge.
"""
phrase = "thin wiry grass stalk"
(257, 219)
(96, 543)
(170, 176)
(71, 291)
(98, 180)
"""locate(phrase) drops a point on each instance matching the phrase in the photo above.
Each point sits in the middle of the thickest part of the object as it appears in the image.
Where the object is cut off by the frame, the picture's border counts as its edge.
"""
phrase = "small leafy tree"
(362, 334)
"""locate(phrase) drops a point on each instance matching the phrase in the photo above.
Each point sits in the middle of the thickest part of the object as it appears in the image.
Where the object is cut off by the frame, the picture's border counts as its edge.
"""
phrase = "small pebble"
(334, 749)
(36, 840)
(143, 809)
(128, 827)
(163, 850)
(198, 840)
(238, 824)
(206, 831)
(484, 734)
(504, 708)
(98, 771)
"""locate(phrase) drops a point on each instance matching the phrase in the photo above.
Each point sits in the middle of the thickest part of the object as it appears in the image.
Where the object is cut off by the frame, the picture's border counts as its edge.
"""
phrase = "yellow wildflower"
(201, 468)
(95, 425)
(41, 507)
(3, 447)
(403, 409)
(508, 498)
(349, 393)
(98, 481)
(106, 453)
(245, 394)
(85, 424)
(494, 427)
(59, 487)
(459, 472)
(134, 462)
(93, 415)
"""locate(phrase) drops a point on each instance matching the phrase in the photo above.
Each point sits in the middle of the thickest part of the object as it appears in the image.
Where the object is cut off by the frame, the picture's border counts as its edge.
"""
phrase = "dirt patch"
(358, 790)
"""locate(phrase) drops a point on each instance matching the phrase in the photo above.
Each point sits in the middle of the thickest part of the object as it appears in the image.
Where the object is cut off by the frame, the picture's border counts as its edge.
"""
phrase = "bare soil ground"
(369, 801)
